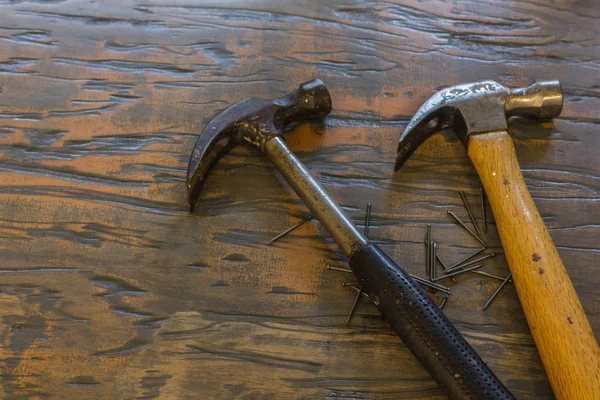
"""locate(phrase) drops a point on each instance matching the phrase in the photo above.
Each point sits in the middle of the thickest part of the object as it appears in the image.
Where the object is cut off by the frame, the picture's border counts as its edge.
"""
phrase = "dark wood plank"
(109, 288)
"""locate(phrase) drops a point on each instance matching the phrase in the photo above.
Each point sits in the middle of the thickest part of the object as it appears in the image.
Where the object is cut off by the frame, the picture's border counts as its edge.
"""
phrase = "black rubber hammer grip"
(424, 329)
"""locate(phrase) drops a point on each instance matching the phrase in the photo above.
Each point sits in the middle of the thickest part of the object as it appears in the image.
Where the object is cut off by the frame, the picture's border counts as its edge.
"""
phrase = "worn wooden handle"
(558, 324)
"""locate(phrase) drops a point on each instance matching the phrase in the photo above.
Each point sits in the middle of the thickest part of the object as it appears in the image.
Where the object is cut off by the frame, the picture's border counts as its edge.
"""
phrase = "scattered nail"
(487, 303)
(443, 303)
(299, 224)
(362, 292)
(467, 258)
(352, 283)
(474, 272)
(483, 273)
(433, 257)
(444, 267)
(471, 217)
(339, 269)
(466, 228)
(431, 285)
(468, 264)
(461, 266)
(354, 305)
(461, 271)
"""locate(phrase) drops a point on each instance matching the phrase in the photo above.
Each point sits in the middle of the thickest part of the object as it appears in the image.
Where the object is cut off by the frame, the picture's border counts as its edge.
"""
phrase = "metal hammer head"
(476, 108)
(253, 122)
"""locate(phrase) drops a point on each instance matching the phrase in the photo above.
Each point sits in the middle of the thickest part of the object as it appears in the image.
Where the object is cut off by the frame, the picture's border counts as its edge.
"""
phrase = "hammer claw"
(253, 122)
(476, 108)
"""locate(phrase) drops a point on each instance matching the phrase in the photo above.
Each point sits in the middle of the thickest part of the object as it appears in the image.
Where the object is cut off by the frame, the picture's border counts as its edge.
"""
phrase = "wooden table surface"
(110, 288)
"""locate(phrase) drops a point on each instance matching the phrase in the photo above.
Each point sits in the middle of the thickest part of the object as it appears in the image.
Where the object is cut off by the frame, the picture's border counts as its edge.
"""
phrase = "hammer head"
(476, 108)
(253, 122)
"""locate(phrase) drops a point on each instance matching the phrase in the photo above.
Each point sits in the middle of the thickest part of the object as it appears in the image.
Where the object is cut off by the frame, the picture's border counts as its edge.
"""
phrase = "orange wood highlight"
(556, 318)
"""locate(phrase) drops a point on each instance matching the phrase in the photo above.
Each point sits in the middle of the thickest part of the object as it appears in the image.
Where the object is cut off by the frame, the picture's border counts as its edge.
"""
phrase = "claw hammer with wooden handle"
(477, 112)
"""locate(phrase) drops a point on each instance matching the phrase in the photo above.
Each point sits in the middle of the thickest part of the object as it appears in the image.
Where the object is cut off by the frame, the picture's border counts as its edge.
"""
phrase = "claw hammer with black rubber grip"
(477, 112)
(442, 350)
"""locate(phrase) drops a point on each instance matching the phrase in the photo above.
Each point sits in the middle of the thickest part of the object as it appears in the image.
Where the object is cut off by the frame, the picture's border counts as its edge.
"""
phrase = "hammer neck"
(322, 207)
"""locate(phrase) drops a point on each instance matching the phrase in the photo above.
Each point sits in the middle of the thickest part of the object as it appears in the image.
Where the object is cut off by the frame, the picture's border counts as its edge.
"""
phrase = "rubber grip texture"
(424, 329)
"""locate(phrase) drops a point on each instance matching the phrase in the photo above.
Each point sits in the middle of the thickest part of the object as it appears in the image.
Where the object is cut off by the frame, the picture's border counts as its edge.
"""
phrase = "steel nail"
(354, 305)
(483, 273)
(443, 303)
(299, 224)
(461, 271)
(430, 284)
(433, 257)
(344, 284)
(367, 220)
(487, 303)
(460, 266)
(362, 291)
(466, 228)
(471, 217)
(474, 272)
(339, 269)
(444, 267)
(482, 200)
(467, 258)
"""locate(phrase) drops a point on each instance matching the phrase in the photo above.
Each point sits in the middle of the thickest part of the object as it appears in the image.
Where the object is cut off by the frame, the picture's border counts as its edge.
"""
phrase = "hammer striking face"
(253, 122)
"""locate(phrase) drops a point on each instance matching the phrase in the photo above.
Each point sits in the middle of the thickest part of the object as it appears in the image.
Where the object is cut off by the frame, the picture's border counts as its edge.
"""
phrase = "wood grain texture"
(558, 324)
(111, 289)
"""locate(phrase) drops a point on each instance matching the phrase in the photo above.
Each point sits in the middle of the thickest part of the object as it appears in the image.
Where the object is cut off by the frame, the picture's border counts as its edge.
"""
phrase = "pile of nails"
(465, 265)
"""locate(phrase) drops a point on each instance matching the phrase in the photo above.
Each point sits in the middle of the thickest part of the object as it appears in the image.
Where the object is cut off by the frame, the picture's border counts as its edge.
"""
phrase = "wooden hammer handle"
(560, 329)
